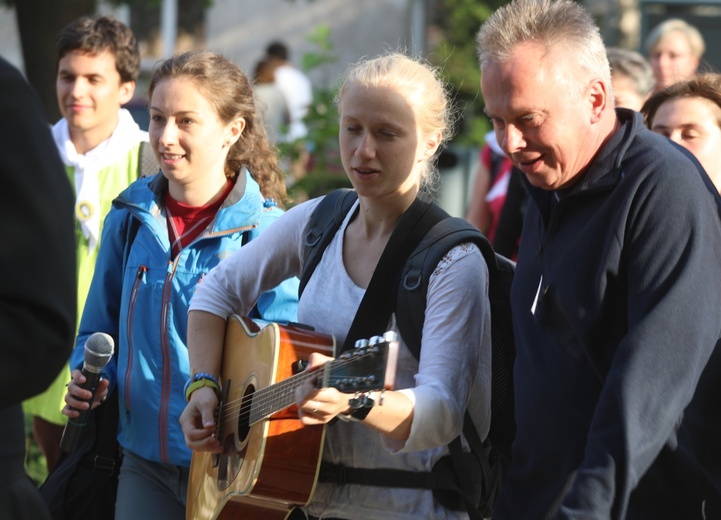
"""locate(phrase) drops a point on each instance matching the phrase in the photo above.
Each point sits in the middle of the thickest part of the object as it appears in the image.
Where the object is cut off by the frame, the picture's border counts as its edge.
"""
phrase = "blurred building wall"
(241, 29)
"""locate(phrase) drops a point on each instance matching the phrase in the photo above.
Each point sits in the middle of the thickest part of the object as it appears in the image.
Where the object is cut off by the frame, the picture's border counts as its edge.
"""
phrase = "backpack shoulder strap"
(131, 230)
(147, 164)
(379, 300)
(324, 222)
(410, 314)
(411, 301)
(411, 305)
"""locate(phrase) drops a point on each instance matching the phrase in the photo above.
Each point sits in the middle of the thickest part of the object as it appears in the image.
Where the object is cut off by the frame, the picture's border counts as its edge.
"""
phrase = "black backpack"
(470, 481)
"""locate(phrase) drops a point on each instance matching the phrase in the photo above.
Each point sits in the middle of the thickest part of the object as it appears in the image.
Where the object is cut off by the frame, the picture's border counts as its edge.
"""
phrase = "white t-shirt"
(270, 103)
(298, 92)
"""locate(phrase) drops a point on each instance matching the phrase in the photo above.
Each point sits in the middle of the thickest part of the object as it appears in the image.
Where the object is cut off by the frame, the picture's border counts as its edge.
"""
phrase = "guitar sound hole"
(244, 416)
(234, 444)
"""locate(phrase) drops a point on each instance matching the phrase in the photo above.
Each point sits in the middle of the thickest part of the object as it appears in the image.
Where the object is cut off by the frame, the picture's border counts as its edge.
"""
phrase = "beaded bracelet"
(200, 380)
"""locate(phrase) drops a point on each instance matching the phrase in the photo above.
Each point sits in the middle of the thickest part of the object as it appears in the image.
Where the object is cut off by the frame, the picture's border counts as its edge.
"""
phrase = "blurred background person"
(674, 49)
(298, 92)
(689, 113)
(270, 102)
(489, 188)
(296, 88)
(498, 200)
(37, 291)
(98, 64)
(631, 77)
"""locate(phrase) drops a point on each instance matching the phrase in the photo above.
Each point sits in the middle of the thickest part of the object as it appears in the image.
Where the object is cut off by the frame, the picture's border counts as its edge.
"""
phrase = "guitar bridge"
(218, 426)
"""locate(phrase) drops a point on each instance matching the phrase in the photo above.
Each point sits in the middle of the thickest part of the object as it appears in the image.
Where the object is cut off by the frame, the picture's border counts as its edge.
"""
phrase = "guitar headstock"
(371, 365)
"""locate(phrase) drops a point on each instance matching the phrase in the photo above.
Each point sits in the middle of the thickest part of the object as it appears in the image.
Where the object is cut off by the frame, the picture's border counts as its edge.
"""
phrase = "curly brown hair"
(229, 91)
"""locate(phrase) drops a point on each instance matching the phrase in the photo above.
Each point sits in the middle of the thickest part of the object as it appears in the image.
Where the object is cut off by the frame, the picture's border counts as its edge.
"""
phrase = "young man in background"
(100, 145)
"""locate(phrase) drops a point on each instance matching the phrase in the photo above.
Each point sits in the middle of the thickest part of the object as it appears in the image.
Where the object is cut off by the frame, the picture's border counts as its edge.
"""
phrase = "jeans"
(149, 489)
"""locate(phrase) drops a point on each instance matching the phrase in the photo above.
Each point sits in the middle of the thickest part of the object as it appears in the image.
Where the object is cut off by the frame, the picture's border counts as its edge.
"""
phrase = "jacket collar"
(241, 209)
(605, 170)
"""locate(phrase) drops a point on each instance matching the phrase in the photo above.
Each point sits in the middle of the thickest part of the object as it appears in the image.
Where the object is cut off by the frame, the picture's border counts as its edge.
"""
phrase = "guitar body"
(270, 466)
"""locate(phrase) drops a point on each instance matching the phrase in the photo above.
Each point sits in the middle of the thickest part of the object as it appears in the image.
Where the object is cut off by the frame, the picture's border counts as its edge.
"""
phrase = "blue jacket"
(142, 302)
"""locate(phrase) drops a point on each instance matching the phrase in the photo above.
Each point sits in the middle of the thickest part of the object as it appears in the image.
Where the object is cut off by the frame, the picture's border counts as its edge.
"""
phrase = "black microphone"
(98, 351)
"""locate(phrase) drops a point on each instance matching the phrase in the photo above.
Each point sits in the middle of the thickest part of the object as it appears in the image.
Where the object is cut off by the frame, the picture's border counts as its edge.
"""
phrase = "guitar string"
(267, 395)
(273, 393)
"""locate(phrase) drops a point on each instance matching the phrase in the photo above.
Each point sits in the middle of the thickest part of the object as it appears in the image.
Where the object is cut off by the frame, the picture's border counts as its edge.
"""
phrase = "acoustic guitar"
(270, 460)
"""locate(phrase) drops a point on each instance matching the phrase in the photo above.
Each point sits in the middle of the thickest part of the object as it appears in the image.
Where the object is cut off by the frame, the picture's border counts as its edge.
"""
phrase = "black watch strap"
(360, 414)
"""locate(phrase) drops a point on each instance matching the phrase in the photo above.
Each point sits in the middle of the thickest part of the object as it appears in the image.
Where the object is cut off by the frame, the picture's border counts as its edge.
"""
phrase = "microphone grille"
(99, 349)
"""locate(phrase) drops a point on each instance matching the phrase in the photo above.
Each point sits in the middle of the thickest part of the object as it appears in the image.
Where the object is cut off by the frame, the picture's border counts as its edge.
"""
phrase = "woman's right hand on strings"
(77, 398)
(198, 421)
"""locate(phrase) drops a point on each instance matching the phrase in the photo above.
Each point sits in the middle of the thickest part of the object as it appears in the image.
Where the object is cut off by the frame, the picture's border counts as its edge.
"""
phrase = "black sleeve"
(37, 249)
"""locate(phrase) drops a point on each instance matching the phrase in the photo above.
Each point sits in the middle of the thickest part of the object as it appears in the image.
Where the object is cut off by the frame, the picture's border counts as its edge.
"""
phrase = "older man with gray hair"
(616, 293)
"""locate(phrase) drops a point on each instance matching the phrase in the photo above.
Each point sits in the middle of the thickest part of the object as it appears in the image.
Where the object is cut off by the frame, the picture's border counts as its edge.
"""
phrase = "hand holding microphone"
(98, 351)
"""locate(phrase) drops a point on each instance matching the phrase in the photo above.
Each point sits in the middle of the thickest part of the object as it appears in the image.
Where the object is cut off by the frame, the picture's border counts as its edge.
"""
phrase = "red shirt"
(186, 223)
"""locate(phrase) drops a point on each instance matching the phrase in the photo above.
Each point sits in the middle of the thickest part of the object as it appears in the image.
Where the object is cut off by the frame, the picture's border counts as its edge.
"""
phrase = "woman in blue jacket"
(217, 189)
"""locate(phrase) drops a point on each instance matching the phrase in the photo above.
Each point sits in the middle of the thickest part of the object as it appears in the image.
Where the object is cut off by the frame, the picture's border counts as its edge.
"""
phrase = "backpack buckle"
(311, 238)
(412, 280)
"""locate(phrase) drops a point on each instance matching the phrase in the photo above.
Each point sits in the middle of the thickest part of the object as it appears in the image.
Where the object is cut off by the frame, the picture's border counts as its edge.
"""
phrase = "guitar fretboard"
(360, 370)
(279, 396)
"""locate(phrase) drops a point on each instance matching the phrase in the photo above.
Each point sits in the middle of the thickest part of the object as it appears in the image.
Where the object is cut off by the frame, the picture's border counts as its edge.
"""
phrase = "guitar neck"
(274, 398)
(364, 369)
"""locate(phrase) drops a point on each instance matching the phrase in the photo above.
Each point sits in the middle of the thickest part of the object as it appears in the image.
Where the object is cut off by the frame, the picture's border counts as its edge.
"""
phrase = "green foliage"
(34, 459)
(459, 21)
(323, 170)
(324, 55)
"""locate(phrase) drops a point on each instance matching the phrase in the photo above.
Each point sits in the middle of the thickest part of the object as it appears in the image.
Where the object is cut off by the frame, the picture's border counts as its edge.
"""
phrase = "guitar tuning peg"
(375, 340)
(390, 336)
(361, 343)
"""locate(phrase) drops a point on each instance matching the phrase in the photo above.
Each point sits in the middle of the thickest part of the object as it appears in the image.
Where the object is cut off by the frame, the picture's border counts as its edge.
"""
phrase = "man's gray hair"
(634, 66)
(550, 23)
